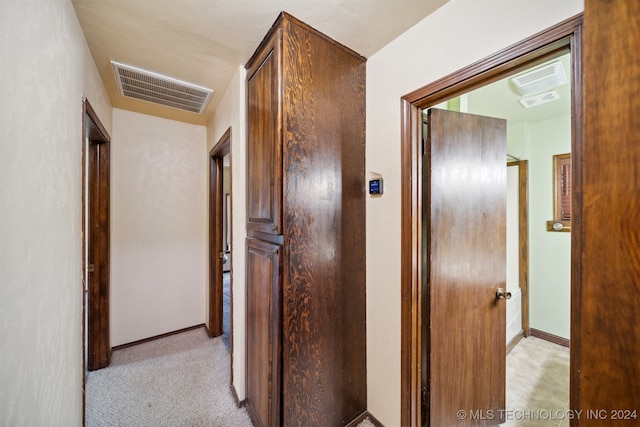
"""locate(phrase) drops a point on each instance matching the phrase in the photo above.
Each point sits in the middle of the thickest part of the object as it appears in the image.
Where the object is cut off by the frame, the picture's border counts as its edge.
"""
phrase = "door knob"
(501, 293)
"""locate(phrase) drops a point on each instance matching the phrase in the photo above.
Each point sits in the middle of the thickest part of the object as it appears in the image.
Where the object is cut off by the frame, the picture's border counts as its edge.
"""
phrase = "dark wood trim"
(216, 219)
(550, 337)
(577, 150)
(95, 293)
(157, 337)
(605, 332)
(411, 310)
(206, 329)
(557, 40)
(97, 131)
(277, 239)
(558, 161)
(366, 415)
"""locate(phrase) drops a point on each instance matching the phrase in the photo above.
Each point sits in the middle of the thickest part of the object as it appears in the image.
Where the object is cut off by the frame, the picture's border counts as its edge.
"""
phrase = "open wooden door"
(464, 208)
(96, 229)
(216, 220)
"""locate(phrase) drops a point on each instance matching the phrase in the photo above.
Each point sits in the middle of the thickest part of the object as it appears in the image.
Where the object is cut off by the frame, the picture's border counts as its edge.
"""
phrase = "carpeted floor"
(177, 381)
(226, 310)
(180, 380)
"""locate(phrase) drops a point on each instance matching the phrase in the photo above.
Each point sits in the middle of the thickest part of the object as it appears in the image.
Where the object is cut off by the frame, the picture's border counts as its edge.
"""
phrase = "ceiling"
(500, 99)
(204, 41)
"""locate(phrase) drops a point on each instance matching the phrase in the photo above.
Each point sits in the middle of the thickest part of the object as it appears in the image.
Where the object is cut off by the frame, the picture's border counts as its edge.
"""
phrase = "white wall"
(158, 226)
(549, 252)
(45, 69)
(428, 51)
(232, 113)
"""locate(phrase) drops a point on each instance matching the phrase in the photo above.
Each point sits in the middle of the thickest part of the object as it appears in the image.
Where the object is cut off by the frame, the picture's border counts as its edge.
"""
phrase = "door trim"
(216, 218)
(538, 48)
(95, 337)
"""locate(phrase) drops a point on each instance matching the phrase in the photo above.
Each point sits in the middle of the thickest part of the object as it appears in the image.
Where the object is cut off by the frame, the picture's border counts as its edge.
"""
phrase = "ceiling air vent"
(152, 87)
(540, 79)
(542, 98)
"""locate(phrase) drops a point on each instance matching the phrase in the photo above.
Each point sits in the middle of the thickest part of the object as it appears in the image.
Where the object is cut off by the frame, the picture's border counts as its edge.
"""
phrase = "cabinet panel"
(264, 143)
(263, 332)
(324, 365)
(306, 196)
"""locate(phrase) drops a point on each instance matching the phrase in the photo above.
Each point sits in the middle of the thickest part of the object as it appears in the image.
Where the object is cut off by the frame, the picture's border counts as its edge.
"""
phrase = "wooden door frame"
(216, 218)
(565, 36)
(523, 240)
(97, 340)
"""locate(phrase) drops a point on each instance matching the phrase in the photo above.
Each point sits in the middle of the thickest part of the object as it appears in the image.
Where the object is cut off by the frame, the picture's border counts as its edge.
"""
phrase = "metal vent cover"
(540, 79)
(148, 86)
(542, 98)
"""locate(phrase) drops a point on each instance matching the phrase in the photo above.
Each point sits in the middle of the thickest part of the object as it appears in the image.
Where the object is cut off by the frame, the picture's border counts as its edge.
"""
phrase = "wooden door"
(465, 211)
(99, 348)
(96, 229)
(264, 146)
(216, 220)
(263, 332)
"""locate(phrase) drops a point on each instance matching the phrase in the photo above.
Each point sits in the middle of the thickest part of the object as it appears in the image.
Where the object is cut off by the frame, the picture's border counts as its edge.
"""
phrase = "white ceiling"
(204, 41)
(500, 99)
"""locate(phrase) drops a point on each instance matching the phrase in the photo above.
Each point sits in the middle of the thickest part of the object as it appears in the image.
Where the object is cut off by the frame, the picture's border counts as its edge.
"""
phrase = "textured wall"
(549, 252)
(158, 226)
(232, 113)
(45, 69)
(416, 58)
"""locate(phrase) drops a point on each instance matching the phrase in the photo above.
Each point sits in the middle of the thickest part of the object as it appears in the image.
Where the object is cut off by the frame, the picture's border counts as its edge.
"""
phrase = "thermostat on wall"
(375, 186)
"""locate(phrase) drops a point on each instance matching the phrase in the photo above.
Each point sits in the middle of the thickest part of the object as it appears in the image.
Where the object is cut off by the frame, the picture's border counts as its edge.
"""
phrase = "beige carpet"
(178, 381)
(181, 380)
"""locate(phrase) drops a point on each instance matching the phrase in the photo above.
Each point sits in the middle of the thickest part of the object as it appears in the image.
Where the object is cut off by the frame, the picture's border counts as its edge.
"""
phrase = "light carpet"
(180, 380)
(175, 381)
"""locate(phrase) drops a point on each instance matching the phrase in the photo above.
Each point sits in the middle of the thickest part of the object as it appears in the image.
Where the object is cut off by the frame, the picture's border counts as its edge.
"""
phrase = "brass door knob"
(501, 293)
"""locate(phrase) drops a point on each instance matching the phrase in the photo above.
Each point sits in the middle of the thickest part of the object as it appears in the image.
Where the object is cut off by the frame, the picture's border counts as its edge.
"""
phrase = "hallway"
(179, 380)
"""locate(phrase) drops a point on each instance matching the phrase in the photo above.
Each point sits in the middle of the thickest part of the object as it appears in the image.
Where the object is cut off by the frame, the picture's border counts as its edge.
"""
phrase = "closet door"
(263, 332)
(264, 175)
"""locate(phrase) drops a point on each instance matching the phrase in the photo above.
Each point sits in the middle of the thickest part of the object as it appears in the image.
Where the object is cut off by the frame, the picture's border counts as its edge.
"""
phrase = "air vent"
(540, 79)
(148, 86)
(542, 98)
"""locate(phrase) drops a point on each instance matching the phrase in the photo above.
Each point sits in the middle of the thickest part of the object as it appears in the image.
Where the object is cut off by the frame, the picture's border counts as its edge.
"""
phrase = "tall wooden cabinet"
(306, 342)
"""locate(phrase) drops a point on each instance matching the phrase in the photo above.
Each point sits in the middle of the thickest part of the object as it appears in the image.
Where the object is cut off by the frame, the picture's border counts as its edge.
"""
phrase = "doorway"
(517, 249)
(95, 241)
(220, 239)
(565, 37)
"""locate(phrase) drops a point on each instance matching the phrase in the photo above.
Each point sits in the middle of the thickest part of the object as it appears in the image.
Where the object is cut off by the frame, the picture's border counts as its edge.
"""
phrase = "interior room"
(129, 227)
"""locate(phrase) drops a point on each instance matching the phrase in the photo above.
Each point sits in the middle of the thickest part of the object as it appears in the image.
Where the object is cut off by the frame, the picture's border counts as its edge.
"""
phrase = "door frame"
(216, 219)
(565, 36)
(95, 338)
(523, 240)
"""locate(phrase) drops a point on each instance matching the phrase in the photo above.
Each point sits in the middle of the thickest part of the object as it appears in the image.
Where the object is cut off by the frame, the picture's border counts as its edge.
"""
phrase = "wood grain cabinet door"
(263, 332)
(264, 146)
